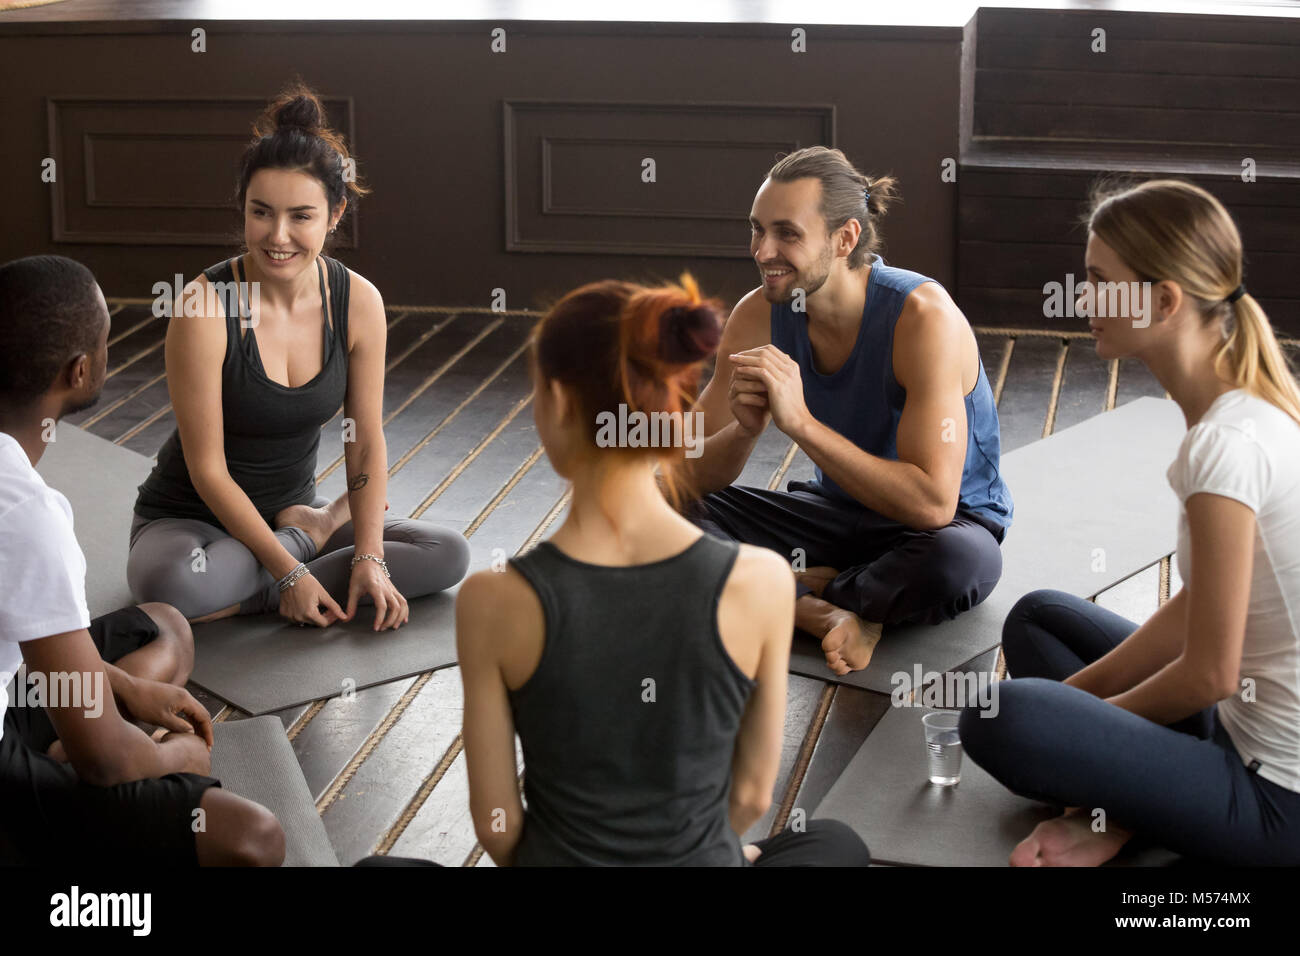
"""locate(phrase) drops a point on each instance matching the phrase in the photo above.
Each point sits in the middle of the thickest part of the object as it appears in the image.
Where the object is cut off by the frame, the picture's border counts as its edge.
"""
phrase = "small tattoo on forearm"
(359, 482)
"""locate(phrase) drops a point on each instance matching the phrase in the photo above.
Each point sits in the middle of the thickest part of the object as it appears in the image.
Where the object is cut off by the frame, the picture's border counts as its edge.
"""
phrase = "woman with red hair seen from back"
(641, 662)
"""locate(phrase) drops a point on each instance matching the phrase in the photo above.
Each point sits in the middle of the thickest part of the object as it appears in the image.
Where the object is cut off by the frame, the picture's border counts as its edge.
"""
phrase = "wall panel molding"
(573, 173)
(157, 170)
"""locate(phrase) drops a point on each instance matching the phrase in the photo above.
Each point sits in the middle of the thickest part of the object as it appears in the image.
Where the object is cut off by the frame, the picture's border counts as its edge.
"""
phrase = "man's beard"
(81, 407)
(815, 281)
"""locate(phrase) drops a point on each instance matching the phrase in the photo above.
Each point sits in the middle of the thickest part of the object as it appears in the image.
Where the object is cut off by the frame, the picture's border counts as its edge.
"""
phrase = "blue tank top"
(863, 401)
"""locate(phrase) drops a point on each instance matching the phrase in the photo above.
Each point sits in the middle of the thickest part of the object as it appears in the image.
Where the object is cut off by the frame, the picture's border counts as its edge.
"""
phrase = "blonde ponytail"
(1252, 359)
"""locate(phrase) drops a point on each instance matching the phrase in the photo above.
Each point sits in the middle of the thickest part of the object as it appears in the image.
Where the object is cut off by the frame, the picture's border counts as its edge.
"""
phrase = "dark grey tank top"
(271, 431)
(629, 723)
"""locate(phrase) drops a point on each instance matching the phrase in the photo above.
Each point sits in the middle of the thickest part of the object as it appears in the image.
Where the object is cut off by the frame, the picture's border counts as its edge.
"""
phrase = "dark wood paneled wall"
(1166, 80)
(522, 170)
(518, 170)
(142, 171)
(1184, 96)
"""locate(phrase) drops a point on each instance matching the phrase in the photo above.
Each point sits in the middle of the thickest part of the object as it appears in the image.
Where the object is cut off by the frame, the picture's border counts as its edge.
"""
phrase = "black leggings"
(47, 813)
(1183, 786)
(821, 843)
(889, 573)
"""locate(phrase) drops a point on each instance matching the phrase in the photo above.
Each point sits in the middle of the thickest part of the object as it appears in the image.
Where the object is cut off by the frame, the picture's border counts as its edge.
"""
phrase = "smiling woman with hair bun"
(286, 335)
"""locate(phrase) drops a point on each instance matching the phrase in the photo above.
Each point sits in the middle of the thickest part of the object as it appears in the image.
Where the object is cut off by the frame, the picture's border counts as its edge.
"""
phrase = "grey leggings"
(199, 568)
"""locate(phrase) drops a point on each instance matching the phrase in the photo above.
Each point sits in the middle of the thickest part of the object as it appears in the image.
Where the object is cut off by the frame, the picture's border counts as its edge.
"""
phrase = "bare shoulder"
(365, 308)
(197, 317)
(753, 302)
(756, 607)
(362, 291)
(200, 299)
(497, 606)
(496, 593)
(930, 310)
(931, 330)
(751, 316)
(749, 324)
(762, 579)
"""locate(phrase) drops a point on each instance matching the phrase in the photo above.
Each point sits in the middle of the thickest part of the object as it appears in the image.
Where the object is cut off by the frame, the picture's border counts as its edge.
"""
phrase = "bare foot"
(847, 639)
(850, 642)
(318, 523)
(1068, 840)
(817, 578)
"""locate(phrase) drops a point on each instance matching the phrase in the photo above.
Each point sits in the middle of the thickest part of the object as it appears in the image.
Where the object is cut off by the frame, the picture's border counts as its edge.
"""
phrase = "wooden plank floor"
(386, 765)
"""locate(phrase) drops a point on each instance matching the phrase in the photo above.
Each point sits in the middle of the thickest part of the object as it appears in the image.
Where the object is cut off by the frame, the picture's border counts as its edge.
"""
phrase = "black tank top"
(271, 432)
(629, 723)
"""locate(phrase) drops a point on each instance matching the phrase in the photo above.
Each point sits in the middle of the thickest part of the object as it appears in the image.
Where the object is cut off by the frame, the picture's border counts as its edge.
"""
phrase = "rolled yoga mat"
(254, 759)
(885, 795)
(99, 479)
(1092, 507)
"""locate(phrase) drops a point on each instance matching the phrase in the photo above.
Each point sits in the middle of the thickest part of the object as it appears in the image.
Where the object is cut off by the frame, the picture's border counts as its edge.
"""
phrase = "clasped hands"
(767, 381)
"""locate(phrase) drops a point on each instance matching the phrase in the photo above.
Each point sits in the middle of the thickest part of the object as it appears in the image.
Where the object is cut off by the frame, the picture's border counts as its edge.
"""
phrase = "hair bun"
(689, 333)
(302, 112)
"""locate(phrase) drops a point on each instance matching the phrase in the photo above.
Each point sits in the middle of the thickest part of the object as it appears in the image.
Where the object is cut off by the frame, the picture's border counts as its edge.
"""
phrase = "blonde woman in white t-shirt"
(1185, 731)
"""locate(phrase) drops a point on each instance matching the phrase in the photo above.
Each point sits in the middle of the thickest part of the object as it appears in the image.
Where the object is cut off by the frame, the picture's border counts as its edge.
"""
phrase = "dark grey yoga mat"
(262, 663)
(1098, 485)
(253, 758)
(99, 480)
(255, 662)
(258, 663)
(886, 796)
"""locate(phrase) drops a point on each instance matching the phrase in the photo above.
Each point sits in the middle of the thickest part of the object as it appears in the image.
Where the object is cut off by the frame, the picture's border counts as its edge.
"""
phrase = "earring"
(333, 229)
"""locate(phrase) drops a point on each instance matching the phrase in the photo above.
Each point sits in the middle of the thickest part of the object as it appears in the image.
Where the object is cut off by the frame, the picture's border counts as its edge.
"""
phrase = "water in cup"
(943, 747)
(945, 758)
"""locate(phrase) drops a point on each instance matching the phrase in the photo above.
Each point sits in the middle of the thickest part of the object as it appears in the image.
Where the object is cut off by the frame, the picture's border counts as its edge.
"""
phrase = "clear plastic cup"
(943, 747)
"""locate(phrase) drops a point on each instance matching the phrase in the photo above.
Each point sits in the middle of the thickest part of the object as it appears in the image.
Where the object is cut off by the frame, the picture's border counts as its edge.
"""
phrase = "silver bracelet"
(372, 557)
(290, 579)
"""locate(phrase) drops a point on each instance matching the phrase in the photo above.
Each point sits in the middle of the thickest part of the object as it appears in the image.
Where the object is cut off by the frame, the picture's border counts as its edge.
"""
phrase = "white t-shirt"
(1248, 449)
(41, 565)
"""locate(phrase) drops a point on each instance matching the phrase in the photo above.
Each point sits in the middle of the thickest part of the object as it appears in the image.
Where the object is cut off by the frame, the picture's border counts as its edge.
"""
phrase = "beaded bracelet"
(372, 557)
(290, 579)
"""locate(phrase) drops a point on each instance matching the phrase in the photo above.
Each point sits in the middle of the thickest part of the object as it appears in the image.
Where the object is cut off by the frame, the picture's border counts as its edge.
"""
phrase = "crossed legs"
(857, 570)
(147, 820)
(208, 574)
(1063, 746)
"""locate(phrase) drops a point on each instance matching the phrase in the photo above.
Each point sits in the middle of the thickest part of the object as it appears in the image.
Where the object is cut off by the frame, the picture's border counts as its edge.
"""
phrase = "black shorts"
(48, 813)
